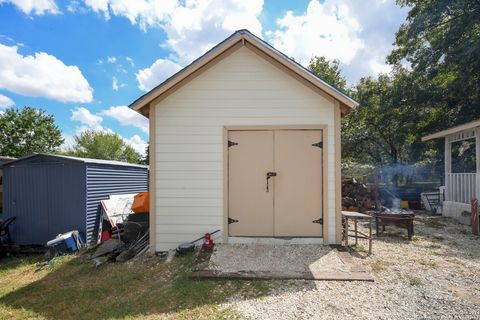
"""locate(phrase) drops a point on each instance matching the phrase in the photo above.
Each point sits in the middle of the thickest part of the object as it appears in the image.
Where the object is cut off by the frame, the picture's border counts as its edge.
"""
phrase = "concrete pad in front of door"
(305, 261)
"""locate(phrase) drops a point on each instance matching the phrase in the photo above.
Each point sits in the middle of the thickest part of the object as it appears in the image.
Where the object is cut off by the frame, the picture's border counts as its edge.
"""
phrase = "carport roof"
(76, 159)
(444, 133)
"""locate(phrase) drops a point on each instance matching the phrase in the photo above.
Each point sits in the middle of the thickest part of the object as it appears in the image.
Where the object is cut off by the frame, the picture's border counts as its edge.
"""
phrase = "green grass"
(72, 288)
(359, 248)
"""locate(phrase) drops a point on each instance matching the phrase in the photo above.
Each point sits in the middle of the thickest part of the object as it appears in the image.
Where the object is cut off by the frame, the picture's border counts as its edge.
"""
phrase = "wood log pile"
(356, 196)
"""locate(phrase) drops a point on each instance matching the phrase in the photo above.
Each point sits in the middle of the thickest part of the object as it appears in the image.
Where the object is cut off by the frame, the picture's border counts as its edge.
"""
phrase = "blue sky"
(85, 61)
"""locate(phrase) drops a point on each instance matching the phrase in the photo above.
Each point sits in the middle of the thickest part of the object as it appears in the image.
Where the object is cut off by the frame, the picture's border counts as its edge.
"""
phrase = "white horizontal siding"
(242, 89)
(187, 184)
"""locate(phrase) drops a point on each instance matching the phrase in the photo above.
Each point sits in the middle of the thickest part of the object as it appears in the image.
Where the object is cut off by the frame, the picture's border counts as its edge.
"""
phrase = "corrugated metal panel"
(48, 195)
(47, 198)
(103, 181)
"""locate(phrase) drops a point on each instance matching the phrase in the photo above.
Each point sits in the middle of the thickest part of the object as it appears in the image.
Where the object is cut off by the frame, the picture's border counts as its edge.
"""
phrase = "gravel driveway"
(435, 276)
(281, 258)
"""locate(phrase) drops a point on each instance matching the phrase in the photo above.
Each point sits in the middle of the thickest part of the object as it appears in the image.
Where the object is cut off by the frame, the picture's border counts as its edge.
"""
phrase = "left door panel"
(249, 202)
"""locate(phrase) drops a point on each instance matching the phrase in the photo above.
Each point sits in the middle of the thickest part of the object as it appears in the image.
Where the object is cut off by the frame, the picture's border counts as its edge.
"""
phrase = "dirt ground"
(434, 276)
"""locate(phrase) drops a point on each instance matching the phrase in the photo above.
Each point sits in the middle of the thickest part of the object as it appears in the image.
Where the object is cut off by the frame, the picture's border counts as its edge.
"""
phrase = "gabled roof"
(444, 133)
(244, 37)
(75, 159)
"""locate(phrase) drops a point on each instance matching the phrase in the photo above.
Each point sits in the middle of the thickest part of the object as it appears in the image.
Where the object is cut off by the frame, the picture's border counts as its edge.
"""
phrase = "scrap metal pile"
(124, 228)
(356, 196)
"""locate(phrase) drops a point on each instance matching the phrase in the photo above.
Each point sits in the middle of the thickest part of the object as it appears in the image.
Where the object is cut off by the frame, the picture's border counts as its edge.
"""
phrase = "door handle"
(269, 175)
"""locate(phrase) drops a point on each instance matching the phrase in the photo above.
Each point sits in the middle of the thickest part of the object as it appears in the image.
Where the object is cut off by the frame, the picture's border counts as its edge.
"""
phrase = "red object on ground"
(207, 241)
(141, 202)
(474, 220)
(105, 235)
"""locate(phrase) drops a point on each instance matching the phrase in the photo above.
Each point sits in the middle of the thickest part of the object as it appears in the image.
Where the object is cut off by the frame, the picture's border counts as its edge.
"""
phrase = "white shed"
(247, 141)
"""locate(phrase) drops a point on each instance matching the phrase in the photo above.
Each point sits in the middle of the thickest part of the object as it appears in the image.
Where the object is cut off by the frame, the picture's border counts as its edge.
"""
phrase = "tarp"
(117, 208)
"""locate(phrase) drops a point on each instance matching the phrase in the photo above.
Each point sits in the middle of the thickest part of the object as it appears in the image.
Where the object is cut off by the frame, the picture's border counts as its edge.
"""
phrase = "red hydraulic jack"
(208, 242)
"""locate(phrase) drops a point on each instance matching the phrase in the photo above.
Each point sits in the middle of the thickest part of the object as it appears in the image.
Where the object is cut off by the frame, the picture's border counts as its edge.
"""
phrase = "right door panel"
(298, 184)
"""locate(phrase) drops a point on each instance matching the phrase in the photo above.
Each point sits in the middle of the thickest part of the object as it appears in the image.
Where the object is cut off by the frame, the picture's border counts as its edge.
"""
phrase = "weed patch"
(378, 265)
(414, 281)
(428, 263)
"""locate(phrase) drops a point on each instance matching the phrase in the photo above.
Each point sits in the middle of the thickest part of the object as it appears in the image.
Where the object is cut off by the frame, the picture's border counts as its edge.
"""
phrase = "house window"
(463, 156)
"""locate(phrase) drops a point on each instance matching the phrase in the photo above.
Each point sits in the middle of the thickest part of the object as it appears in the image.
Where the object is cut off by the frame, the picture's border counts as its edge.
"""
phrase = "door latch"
(269, 175)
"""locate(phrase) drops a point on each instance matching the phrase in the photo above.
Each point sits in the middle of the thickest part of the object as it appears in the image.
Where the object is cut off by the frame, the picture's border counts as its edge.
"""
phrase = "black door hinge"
(230, 220)
(318, 144)
(231, 143)
(319, 221)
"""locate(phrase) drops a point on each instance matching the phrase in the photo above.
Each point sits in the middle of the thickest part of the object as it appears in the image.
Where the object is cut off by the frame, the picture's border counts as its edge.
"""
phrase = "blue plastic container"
(66, 242)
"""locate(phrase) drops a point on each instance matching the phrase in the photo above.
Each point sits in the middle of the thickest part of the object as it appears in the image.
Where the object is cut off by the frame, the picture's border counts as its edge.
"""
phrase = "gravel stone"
(290, 258)
(435, 276)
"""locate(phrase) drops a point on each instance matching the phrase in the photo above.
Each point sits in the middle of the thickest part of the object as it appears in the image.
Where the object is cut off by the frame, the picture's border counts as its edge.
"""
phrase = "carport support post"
(346, 232)
(370, 236)
(448, 167)
(477, 158)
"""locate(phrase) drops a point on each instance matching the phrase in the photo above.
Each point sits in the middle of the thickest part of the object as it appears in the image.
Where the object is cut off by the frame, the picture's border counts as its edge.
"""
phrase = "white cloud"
(197, 26)
(127, 117)
(73, 6)
(137, 143)
(99, 6)
(152, 76)
(121, 69)
(328, 29)
(68, 141)
(112, 59)
(193, 26)
(42, 75)
(123, 114)
(130, 60)
(38, 7)
(5, 101)
(87, 119)
(145, 13)
(357, 33)
(116, 85)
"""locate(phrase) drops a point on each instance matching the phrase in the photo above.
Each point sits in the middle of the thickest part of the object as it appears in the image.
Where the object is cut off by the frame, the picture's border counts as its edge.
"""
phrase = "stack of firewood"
(356, 196)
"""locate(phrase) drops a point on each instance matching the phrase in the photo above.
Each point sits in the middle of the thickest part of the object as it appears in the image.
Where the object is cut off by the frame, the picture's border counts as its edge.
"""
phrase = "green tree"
(146, 159)
(28, 130)
(328, 71)
(393, 115)
(440, 40)
(102, 145)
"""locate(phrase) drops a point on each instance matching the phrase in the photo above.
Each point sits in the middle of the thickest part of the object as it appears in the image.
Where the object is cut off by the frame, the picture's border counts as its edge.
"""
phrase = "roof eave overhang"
(453, 130)
(142, 104)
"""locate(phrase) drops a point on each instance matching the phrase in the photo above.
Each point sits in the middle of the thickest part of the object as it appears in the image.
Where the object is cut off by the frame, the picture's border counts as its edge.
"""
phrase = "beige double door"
(275, 183)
